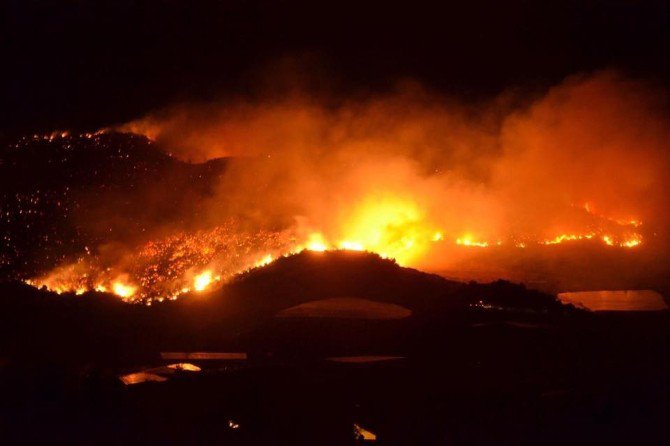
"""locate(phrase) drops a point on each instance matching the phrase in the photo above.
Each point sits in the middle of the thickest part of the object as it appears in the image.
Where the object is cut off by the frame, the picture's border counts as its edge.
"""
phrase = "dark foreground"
(473, 364)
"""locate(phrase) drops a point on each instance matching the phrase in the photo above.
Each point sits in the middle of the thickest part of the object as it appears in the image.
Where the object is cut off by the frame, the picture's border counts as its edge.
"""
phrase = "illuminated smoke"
(420, 178)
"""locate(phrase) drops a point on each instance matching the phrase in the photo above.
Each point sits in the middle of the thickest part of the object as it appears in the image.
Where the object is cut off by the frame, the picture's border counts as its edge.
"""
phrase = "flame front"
(468, 240)
(392, 226)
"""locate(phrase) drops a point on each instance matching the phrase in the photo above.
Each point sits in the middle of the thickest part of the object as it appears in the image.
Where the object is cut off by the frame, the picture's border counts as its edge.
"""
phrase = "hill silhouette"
(474, 363)
(99, 326)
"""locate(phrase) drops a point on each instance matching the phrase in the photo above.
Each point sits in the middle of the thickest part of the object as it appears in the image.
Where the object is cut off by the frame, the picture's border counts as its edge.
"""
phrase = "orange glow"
(184, 366)
(264, 261)
(589, 208)
(123, 290)
(316, 242)
(632, 242)
(408, 176)
(568, 238)
(351, 246)
(390, 226)
(468, 240)
(202, 281)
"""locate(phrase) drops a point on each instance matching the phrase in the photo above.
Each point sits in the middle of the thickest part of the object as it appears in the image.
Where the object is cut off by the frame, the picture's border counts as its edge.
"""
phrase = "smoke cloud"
(492, 170)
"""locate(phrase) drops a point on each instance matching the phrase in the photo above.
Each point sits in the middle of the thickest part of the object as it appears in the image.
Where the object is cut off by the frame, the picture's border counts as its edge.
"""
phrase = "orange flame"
(123, 289)
(202, 281)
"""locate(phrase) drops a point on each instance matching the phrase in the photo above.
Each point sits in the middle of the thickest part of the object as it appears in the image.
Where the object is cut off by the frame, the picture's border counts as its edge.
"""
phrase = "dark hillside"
(62, 194)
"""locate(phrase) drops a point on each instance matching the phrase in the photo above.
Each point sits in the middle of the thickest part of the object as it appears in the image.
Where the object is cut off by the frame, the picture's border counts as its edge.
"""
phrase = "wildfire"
(123, 290)
(467, 240)
(567, 238)
(630, 241)
(351, 246)
(405, 177)
(202, 281)
(390, 226)
(266, 260)
(633, 241)
(632, 222)
(393, 227)
(164, 268)
(316, 243)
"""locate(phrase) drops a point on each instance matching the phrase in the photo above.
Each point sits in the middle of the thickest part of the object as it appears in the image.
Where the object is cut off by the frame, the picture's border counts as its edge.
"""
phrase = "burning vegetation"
(408, 176)
(187, 263)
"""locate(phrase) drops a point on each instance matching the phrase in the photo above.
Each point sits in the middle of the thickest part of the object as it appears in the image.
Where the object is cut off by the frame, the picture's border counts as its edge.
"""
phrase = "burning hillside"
(411, 177)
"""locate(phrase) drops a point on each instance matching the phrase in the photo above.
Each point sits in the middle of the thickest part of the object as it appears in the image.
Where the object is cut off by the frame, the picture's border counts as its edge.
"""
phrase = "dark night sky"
(87, 63)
